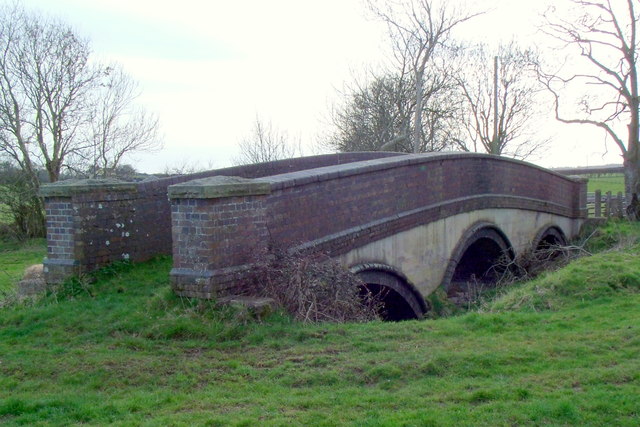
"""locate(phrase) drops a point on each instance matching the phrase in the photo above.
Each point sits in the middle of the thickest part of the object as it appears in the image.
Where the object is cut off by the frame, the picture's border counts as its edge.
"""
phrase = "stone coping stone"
(219, 187)
(425, 160)
(578, 178)
(76, 186)
(226, 186)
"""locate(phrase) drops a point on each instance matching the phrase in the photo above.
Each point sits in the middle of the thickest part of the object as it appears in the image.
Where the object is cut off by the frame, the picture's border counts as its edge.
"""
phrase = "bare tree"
(500, 102)
(187, 167)
(58, 109)
(603, 33)
(45, 78)
(266, 144)
(118, 126)
(373, 116)
(418, 30)
(378, 114)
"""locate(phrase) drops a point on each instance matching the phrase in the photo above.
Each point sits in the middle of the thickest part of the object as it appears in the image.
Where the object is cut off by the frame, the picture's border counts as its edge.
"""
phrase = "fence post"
(607, 206)
(598, 204)
(619, 205)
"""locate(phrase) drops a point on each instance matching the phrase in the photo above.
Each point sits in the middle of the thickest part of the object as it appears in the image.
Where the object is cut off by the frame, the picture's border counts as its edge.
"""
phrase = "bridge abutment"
(92, 223)
(218, 227)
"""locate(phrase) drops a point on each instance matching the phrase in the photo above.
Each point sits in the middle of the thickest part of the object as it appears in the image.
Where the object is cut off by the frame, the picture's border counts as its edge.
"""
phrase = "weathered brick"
(305, 209)
(385, 201)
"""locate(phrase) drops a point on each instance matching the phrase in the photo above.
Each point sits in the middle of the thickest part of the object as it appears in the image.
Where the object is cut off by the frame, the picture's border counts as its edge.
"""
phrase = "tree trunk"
(632, 156)
(494, 141)
(632, 183)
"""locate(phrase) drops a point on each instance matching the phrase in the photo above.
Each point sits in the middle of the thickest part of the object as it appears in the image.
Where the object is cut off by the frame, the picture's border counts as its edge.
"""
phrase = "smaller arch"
(548, 243)
(401, 300)
(475, 257)
(548, 236)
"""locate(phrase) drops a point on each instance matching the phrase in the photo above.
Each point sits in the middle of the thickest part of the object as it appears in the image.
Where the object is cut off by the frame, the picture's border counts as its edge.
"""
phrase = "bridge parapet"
(92, 223)
(218, 225)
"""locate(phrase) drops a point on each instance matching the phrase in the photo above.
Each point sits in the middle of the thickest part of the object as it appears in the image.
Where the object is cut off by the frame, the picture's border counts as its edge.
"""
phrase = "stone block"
(250, 307)
(32, 282)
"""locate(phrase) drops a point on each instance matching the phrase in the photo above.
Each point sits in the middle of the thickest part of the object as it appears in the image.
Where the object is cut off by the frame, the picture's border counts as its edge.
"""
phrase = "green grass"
(15, 257)
(125, 351)
(611, 182)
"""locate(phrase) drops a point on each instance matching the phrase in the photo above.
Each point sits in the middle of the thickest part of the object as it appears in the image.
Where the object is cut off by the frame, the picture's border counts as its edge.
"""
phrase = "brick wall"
(416, 190)
(91, 223)
(337, 208)
(330, 203)
(211, 235)
(61, 246)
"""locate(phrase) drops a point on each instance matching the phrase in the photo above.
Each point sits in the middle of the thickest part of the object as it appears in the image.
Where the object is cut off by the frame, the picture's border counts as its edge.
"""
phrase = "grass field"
(560, 350)
(613, 183)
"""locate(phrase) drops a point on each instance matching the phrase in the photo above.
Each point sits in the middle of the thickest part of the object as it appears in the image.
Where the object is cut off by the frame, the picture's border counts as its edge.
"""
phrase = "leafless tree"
(373, 115)
(118, 126)
(58, 109)
(377, 114)
(266, 144)
(418, 29)
(187, 167)
(603, 34)
(500, 101)
(45, 77)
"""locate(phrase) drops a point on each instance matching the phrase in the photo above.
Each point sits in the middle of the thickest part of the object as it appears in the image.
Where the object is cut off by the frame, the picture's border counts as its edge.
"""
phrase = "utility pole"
(495, 148)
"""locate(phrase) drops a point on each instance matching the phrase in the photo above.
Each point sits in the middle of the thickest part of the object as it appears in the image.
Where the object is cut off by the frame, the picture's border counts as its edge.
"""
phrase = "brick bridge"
(404, 223)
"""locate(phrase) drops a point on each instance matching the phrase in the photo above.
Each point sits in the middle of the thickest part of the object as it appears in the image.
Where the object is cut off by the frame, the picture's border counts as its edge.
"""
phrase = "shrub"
(312, 288)
(21, 210)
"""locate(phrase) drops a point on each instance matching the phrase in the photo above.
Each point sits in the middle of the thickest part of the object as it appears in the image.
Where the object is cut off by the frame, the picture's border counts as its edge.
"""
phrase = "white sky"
(207, 68)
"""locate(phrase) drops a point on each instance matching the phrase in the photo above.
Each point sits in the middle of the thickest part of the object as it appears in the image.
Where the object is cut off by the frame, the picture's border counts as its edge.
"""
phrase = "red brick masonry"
(219, 223)
(92, 223)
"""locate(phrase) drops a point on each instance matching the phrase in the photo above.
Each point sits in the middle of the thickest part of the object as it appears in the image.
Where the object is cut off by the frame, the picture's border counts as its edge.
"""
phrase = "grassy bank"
(561, 350)
(15, 256)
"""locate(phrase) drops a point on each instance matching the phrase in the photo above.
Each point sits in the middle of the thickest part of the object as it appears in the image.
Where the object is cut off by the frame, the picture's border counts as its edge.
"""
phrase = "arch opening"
(550, 244)
(548, 249)
(481, 264)
(397, 300)
(392, 306)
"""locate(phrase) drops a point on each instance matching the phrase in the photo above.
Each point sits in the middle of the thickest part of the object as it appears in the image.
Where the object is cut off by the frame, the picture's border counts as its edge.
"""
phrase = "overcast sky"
(207, 68)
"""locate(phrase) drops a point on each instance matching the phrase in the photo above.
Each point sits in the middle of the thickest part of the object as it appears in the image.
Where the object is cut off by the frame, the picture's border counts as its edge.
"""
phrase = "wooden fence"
(606, 205)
